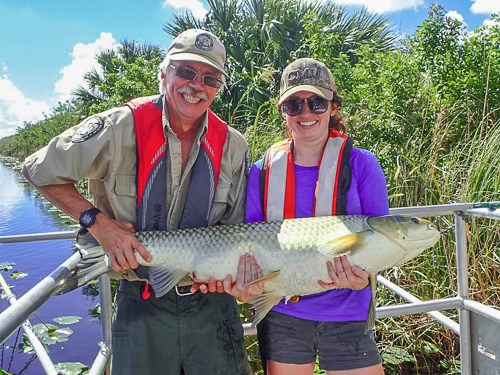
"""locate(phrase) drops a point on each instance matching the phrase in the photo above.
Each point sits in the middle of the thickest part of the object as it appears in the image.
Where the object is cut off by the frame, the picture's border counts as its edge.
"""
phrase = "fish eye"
(415, 220)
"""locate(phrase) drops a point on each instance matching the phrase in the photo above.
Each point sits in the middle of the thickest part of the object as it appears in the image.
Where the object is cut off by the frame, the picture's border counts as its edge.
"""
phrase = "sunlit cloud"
(491, 23)
(83, 61)
(16, 108)
(383, 6)
(195, 6)
(453, 14)
(485, 6)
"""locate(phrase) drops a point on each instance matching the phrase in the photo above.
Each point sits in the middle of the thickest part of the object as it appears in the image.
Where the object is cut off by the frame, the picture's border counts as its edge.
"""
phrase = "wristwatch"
(87, 219)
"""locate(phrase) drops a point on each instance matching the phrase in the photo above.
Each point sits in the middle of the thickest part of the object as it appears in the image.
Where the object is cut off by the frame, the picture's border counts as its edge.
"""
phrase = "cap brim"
(198, 58)
(324, 93)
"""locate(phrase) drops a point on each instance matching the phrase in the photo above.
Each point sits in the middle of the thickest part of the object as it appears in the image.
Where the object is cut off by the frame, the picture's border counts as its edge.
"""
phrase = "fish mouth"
(403, 230)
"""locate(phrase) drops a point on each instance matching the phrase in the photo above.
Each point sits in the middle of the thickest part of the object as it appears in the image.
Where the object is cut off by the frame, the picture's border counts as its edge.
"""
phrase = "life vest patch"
(88, 129)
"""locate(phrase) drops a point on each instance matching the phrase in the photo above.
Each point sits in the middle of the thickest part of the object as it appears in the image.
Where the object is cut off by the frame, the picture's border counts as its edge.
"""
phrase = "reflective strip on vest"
(275, 197)
(328, 170)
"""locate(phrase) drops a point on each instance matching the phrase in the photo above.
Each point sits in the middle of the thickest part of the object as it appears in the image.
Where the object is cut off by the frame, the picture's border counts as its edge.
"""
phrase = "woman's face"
(307, 125)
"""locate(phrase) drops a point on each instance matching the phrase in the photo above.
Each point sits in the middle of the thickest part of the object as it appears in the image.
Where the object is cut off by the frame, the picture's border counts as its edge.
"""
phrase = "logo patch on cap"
(204, 42)
(88, 129)
(309, 75)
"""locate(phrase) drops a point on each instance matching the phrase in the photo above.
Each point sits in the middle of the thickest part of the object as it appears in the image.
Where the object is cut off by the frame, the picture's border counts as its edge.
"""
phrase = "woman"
(317, 172)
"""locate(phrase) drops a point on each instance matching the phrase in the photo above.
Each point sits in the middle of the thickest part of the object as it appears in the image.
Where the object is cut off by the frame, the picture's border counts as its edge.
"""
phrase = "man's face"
(188, 100)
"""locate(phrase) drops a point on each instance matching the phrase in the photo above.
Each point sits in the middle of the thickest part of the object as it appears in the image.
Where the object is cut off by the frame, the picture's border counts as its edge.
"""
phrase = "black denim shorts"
(339, 345)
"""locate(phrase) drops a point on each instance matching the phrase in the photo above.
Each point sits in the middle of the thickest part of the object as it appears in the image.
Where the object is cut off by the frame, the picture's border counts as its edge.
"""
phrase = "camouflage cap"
(307, 75)
(198, 45)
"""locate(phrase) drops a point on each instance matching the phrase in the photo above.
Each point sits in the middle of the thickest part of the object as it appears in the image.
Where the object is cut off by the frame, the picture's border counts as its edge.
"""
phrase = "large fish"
(292, 253)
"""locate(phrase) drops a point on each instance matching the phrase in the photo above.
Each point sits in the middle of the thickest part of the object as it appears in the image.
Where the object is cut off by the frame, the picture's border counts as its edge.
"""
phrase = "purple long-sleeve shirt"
(366, 196)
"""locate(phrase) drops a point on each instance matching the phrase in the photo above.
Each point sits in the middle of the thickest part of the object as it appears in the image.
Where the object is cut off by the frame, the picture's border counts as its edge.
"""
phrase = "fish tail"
(92, 265)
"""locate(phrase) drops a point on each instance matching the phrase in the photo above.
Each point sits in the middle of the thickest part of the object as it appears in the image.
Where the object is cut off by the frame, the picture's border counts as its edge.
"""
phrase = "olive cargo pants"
(196, 334)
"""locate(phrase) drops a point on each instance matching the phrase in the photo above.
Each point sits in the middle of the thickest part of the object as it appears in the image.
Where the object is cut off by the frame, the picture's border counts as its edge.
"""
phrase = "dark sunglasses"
(189, 74)
(316, 104)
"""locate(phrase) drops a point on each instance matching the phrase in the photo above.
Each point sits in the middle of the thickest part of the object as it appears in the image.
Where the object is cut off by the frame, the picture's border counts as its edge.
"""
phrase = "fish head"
(413, 234)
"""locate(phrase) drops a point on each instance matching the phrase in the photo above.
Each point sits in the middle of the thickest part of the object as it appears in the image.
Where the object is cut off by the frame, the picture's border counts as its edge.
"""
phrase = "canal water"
(23, 211)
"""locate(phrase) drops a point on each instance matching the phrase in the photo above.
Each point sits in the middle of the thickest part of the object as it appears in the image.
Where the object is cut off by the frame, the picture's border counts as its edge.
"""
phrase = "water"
(23, 211)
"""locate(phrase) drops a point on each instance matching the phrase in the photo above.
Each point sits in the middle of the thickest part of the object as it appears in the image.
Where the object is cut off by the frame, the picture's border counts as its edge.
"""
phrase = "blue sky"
(46, 46)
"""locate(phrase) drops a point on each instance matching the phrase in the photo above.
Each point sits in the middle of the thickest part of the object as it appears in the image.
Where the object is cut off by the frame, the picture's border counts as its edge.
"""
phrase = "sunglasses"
(190, 75)
(316, 104)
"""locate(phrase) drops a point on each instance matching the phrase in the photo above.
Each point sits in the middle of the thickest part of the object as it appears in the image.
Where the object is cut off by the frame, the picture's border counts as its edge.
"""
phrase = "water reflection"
(12, 195)
(23, 211)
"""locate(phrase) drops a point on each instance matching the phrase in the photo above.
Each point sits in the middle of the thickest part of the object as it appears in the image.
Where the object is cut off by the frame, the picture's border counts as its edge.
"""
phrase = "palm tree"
(263, 36)
(126, 73)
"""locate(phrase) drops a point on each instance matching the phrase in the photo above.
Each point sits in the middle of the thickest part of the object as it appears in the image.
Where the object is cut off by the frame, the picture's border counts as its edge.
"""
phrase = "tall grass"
(469, 172)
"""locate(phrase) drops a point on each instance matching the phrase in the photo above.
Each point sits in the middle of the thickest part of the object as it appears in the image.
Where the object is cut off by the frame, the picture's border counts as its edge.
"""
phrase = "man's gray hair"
(163, 68)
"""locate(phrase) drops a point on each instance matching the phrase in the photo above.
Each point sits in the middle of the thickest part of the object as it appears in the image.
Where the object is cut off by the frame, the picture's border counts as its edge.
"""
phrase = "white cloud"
(383, 6)
(453, 14)
(485, 6)
(83, 60)
(195, 6)
(491, 23)
(16, 108)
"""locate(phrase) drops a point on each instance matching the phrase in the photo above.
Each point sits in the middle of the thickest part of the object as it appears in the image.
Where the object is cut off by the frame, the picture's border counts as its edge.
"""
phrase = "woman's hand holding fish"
(117, 240)
(343, 275)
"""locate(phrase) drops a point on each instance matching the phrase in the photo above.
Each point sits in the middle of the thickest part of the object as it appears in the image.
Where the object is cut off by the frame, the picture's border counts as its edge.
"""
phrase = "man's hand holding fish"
(248, 271)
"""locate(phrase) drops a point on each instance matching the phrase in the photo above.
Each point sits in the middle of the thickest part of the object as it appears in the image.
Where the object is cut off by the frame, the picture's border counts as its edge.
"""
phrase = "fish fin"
(263, 304)
(93, 264)
(344, 245)
(265, 278)
(164, 279)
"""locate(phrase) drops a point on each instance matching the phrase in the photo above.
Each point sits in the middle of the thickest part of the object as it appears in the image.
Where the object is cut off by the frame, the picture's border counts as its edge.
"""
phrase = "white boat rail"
(478, 325)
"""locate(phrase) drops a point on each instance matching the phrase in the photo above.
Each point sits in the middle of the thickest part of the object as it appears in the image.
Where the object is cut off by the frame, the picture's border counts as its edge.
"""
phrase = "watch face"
(87, 219)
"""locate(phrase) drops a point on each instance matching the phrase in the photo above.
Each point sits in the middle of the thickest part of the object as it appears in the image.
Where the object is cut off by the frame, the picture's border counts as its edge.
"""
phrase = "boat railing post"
(37, 345)
(106, 314)
(463, 292)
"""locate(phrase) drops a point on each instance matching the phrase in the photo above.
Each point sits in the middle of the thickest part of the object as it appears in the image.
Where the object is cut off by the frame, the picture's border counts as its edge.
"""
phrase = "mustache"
(192, 92)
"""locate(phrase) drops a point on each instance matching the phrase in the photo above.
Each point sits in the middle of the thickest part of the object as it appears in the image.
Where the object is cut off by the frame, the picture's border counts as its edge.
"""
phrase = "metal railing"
(478, 354)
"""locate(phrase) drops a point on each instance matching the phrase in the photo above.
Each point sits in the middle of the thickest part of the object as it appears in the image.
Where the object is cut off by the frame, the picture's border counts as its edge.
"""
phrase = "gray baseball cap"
(198, 45)
(307, 74)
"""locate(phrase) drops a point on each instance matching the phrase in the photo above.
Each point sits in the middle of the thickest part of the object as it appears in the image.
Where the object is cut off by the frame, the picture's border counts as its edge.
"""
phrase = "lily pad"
(70, 319)
(71, 368)
(62, 333)
(50, 334)
(6, 266)
(18, 274)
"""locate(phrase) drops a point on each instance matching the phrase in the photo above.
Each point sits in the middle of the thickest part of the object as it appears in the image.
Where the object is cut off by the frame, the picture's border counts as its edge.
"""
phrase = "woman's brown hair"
(336, 120)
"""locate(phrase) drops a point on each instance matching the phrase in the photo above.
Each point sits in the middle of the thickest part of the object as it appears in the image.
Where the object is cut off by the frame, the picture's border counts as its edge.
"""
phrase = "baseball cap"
(198, 45)
(307, 74)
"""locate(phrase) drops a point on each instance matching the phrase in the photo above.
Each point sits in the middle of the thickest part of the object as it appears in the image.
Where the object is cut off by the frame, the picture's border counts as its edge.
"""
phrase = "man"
(160, 163)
